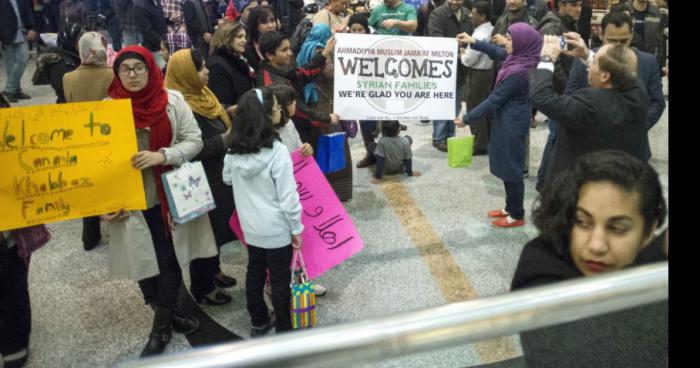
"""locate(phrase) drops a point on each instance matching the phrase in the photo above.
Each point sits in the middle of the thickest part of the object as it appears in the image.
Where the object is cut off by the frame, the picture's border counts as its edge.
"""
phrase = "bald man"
(610, 114)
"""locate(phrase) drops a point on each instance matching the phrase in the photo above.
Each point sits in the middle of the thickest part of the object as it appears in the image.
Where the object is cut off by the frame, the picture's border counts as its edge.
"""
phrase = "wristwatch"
(546, 59)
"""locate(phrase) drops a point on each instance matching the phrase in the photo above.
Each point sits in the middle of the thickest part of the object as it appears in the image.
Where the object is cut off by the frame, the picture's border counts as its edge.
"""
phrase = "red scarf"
(150, 111)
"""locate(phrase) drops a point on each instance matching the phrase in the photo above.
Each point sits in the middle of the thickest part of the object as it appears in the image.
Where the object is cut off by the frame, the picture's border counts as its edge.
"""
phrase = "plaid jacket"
(178, 41)
(172, 10)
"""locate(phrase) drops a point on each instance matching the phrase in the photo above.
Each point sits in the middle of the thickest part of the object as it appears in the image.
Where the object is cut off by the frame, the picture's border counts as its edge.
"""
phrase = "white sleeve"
(188, 136)
(286, 187)
(226, 173)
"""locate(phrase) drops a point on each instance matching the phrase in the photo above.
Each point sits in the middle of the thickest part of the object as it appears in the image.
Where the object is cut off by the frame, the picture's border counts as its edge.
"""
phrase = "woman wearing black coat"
(187, 73)
(55, 63)
(261, 20)
(230, 76)
(598, 217)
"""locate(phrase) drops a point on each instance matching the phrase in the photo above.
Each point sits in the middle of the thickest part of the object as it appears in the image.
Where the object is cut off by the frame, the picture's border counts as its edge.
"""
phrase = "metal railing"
(440, 327)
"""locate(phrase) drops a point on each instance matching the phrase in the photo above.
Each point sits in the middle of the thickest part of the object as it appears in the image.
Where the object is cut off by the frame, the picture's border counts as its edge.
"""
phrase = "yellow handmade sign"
(67, 161)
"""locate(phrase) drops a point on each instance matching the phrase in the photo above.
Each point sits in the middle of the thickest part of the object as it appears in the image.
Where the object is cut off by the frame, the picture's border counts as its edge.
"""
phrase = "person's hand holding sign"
(335, 119)
(465, 38)
(306, 150)
(328, 50)
(145, 159)
(389, 23)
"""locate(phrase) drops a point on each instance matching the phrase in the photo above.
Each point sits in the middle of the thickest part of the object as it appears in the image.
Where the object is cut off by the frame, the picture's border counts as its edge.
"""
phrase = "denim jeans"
(16, 58)
(548, 150)
(159, 59)
(131, 38)
(443, 129)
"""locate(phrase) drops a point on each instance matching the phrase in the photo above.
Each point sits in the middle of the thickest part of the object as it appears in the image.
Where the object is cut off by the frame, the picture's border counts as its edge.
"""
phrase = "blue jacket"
(647, 72)
(509, 106)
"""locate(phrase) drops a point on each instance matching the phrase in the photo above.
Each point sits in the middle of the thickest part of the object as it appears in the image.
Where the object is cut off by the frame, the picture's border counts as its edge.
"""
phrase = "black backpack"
(300, 33)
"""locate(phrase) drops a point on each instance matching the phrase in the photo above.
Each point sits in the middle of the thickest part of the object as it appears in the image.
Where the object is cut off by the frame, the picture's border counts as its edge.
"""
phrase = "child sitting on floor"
(393, 152)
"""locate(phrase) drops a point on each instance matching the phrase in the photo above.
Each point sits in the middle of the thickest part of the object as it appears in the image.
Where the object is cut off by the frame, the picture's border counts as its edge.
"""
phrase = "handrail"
(470, 321)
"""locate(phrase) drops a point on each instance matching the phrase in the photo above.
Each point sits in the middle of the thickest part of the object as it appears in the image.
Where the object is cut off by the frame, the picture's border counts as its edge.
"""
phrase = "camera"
(563, 45)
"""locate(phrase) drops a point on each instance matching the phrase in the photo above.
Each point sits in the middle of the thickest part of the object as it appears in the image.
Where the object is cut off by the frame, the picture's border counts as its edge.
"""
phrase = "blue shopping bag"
(330, 155)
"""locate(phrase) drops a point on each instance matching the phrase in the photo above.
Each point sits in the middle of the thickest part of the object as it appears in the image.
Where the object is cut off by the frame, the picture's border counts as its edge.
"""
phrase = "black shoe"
(17, 362)
(10, 96)
(22, 96)
(161, 333)
(263, 330)
(225, 282)
(440, 146)
(219, 299)
(90, 245)
(403, 127)
(184, 325)
(480, 152)
(425, 121)
(366, 162)
(526, 174)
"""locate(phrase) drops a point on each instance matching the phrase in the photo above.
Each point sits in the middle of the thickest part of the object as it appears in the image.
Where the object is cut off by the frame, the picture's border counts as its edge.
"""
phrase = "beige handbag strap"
(467, 131)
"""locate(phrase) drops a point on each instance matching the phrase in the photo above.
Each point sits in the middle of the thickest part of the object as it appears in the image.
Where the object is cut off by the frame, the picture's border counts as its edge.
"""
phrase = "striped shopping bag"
(303, 301)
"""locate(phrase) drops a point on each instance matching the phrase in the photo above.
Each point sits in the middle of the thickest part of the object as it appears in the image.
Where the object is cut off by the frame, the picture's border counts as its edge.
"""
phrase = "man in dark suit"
(16, 24)
(617, 29)
(150, 22)
(610, 114)
(198, 24)
(449, 20)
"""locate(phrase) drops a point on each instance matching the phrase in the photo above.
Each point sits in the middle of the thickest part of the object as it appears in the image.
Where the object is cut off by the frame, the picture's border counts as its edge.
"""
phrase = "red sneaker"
(504, 222)
(497, 213)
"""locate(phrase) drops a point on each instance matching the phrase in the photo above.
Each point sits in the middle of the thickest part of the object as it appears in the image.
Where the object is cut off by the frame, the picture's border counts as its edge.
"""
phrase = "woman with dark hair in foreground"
(598, 217)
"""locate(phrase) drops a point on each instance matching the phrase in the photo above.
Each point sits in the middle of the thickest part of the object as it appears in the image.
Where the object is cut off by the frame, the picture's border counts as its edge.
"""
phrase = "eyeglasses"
(138, 69)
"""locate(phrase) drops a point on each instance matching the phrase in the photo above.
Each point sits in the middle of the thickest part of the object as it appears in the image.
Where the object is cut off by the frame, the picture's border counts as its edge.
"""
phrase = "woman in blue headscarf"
(316, 40)
(319, 95)
(509, 106)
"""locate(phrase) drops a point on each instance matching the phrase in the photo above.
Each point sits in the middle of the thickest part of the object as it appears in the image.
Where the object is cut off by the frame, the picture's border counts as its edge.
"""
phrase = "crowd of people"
(240, 85)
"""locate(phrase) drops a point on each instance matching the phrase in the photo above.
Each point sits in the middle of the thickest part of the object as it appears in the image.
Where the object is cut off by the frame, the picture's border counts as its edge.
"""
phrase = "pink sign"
(329, 236)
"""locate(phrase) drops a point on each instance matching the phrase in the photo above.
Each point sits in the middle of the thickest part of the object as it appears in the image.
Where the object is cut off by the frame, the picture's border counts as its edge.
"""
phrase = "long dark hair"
(256, 15)
(554, 212)
(253, 125)
(285, 95)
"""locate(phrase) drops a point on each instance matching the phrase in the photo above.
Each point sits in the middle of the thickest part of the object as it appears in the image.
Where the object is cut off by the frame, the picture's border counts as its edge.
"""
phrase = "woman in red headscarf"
(144, 245)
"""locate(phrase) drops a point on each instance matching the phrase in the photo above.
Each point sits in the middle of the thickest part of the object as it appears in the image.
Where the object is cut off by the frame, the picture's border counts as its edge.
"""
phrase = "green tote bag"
(459, 149)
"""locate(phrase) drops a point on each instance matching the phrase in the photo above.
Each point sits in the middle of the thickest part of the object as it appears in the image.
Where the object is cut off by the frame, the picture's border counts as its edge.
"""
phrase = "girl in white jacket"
(259, 167)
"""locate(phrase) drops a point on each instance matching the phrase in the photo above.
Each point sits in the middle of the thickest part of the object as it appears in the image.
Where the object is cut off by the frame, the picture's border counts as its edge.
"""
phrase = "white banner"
(395, 77)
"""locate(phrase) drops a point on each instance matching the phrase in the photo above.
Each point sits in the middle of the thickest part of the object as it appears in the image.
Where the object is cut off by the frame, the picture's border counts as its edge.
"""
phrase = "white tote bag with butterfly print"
(188, 192)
